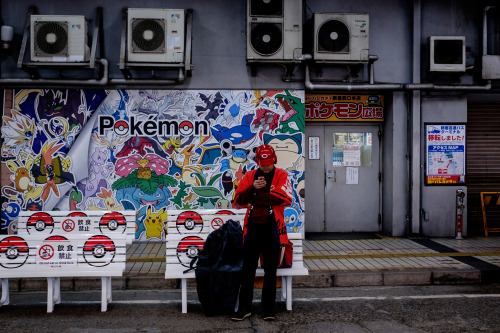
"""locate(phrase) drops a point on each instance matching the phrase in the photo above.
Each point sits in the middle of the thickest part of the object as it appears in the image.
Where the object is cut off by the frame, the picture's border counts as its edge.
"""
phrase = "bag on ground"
(218, 269)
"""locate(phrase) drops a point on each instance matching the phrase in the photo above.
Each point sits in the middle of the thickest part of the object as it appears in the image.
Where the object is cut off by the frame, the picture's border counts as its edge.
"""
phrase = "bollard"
(460, 213)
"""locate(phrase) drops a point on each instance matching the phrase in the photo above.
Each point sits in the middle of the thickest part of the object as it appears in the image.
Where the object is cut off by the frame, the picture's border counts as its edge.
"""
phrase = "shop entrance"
(343, 182)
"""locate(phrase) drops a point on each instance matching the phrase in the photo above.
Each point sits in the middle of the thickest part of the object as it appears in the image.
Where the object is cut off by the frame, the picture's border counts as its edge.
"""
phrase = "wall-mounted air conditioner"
(155, 35)
(274, 30)
(447, 53)
(341, 37)
(59, 38)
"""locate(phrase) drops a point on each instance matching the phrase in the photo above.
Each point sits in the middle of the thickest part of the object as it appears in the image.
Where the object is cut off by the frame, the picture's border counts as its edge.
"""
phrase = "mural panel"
(144, 150)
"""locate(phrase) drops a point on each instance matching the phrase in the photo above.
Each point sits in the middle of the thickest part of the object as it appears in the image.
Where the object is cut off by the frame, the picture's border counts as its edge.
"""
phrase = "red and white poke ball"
(189, 248)
(40, 223)
(189, 222)
(121, 127)
(99, 251)
(113, 221)
(14, 252)
(186, 128)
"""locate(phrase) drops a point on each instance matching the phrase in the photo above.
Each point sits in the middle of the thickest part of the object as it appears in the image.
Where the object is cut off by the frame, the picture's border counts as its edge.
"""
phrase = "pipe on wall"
(343, 86)
(103, 81)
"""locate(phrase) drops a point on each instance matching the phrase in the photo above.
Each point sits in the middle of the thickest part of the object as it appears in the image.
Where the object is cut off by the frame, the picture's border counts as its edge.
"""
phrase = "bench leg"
(184, 295)
(53, 293)
(5, 292)
(283, 288)
(106, 295)
(288, 293)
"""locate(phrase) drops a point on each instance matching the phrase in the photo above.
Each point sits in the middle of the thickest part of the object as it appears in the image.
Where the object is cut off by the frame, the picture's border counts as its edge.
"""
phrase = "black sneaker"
(240, 315)
(268, 316)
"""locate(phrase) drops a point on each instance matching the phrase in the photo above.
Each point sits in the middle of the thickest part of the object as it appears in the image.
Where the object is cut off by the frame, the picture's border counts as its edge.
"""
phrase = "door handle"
(332, 175)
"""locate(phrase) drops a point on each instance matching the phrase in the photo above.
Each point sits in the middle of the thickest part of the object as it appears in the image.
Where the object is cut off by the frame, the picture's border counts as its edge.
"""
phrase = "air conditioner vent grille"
(148, 35)
(51, 38)
(266, 38)
(333, 36)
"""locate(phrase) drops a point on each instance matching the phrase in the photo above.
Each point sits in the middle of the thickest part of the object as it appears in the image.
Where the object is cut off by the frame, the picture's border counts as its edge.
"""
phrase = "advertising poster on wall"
(150, 151)
(445, 154)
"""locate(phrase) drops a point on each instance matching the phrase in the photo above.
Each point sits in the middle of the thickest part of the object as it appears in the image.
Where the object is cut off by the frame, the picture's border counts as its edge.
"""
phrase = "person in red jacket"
(265, 192)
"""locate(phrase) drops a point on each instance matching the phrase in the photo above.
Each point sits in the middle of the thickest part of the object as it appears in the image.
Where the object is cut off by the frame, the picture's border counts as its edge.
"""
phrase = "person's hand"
(259, 183)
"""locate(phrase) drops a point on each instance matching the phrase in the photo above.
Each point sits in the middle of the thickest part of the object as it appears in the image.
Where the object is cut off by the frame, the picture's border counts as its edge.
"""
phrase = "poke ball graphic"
(77, 214)
(121, 127)
(189, 248)
(113, 221)
(186, 128)
(189, 222)
(99, 251)
(14, 252)
(40, 223)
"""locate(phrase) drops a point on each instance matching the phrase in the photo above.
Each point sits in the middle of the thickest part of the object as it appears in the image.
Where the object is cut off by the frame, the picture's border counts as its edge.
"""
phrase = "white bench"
(187, 232)
(64, 244)
(78, 222)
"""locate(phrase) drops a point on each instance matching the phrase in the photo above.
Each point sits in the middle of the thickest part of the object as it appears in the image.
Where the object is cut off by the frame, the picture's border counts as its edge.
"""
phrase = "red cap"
(265, 155)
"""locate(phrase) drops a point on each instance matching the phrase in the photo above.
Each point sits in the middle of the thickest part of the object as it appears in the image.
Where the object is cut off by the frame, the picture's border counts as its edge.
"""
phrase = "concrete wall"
(439, 201)
(219, 57)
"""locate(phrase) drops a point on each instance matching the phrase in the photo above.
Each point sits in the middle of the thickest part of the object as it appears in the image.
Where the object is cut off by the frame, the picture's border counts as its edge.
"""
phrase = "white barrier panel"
(77, 222)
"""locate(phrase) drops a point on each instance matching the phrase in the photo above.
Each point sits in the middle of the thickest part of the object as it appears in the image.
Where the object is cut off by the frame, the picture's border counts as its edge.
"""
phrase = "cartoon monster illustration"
(60, 129)
(51, 170)
(212, 105)
(233, 107)
(111, 144)
(141, 146)
(10, 211)
(265, 120)
(143, 186)
(64, 103)
(288, 149)
(294, 119)
(236, 134)
(75, 197)
(98, 174)
(154, 223)
(109, 201)
(291, 220)
(18, 133)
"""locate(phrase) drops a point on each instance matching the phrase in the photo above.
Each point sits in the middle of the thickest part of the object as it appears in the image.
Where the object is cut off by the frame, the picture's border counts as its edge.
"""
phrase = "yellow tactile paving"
(386, 253)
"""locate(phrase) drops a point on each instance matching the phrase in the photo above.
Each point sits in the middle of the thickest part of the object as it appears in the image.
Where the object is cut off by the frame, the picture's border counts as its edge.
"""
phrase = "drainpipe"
(103, 81)
(343, 86)
(414, 128)
(149, 82)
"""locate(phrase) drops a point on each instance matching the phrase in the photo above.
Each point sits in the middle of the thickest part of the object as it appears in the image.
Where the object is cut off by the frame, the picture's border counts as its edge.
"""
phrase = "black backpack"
(218, 269)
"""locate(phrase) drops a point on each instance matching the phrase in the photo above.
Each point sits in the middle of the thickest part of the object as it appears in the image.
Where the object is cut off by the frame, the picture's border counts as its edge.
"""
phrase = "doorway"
(343, 179)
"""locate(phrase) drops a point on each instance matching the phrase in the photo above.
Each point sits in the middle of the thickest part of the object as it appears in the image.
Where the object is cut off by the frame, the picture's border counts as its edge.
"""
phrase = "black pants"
(259, 239)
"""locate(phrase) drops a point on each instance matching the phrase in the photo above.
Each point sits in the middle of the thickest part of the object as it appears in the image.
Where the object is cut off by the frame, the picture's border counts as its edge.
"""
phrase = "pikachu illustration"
(154, 223)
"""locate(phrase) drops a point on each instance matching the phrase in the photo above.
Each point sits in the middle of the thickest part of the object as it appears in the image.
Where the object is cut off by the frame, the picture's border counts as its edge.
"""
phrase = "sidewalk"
(381, 260)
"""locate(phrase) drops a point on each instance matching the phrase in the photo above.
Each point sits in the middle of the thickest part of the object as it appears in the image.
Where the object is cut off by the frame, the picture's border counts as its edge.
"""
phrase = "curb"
(313, 280)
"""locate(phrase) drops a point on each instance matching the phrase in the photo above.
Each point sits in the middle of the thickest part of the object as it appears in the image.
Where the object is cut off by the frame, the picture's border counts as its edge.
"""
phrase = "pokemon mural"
(144, 150)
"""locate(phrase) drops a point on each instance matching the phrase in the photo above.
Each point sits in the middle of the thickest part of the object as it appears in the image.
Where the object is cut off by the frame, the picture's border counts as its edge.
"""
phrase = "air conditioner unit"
(59, 38)
(341, 37)
(274, 31)
(155, 35)
(447, 53)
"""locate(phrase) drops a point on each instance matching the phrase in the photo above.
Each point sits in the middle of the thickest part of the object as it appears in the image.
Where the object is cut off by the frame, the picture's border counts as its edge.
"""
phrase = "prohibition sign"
(217, 223)
(46, 252)
(68, 225)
